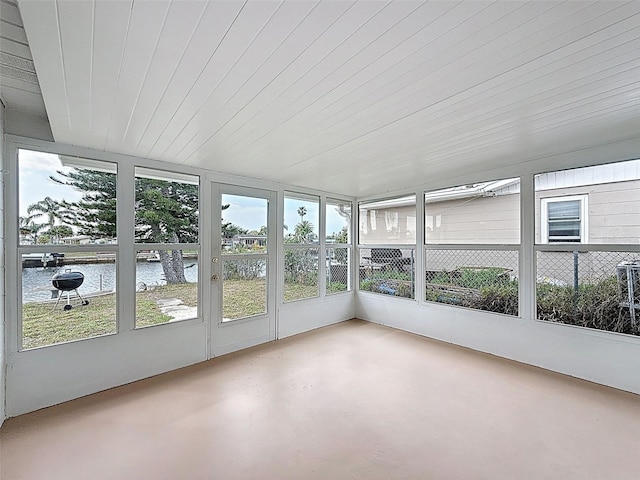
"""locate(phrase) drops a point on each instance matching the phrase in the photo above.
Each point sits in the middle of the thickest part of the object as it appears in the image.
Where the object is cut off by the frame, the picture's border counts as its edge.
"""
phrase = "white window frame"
(584, 220)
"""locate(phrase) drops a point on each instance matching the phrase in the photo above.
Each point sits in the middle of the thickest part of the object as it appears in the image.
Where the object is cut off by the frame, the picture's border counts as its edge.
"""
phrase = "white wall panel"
(51, 375)
(604, 358)
(301, 316)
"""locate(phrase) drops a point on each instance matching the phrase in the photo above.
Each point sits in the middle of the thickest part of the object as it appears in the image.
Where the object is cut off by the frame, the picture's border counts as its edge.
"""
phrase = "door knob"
(214, 277)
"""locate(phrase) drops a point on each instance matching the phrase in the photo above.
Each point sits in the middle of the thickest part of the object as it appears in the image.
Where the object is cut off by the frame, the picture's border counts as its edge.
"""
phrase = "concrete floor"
(350, 401)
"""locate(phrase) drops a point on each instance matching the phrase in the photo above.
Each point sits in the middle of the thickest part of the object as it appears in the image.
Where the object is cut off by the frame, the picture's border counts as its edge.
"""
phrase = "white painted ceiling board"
(19, 88)
(251, 20)
(145, 27)
(410, 99)
(201, 48)
(179, 29)
(348, 97)
(225, 99)
(302, 66)
(76, 34)
(258, 79)
(364, 116)
(109, 36)
(298, 96)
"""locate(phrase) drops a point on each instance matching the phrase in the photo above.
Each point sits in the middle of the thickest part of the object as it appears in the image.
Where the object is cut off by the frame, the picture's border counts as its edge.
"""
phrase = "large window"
(587, 255)
(301, 218)
(338, 246)
(67, 248)
(387, 236)
(167, 251)
(472, 235)
(564, 219)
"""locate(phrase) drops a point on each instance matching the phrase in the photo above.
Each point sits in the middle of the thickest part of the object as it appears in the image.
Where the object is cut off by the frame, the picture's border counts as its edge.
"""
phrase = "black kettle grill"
(66, 282)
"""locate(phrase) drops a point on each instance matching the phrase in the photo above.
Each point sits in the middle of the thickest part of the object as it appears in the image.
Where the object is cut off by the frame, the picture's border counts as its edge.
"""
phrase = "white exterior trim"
(584, 217)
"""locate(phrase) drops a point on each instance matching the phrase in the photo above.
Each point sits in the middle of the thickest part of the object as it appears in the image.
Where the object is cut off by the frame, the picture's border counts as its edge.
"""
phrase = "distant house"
(77, 240)
(249, 241)
(593, 205)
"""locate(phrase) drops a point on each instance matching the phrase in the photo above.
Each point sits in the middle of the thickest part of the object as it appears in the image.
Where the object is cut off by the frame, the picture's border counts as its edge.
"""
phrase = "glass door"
(242, 273)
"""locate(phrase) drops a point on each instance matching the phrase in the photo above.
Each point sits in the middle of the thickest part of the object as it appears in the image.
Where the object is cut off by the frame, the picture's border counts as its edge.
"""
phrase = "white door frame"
(232, 335)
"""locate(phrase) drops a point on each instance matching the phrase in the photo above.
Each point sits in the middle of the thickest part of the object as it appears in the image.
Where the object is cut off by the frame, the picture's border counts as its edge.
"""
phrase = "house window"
(301, 252)
(472, 237)
(167, 246)
(67, 248)
(564, 219)
(387, 247)
(338, 250)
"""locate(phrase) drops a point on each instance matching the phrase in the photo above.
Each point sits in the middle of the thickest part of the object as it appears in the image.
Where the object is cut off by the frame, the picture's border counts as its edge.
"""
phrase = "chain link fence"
(389, 271)
(593, 289)
(338, 259)
(478, 279)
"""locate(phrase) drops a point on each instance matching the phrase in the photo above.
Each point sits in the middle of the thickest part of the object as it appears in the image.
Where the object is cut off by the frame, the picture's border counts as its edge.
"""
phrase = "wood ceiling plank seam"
(10, 13)
(322, 79)
(390, 82)
(437, 16)
(495, 111)
(268, 97)
(270, 82)
(109, 38)
(158, 102)
(441, 53)
(587, 100)
(64, 76)
(146, 72)
(75, 34)
(118, 77)
(254, 71)
(91, 62)
(275, 98)
(362, 89)
(409, 99)
(587, 77)
(489, 129)
(14, 48)
(21, 85)
(146, 24)
(569, 119)
(474, 146)
(444, 53)
(433, 148)
(13, 32)
(367, 114)
(165, 141)
(177, 70)
(43, 30)
(446, 130)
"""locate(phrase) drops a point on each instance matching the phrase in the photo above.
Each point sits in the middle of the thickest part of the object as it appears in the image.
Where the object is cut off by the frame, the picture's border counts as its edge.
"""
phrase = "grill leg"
(84, 302)
(58, 300)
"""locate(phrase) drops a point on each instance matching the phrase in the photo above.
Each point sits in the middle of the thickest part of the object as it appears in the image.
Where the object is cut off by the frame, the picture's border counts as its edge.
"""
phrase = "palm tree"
(52, 210)
(28, 228)
(302, 211)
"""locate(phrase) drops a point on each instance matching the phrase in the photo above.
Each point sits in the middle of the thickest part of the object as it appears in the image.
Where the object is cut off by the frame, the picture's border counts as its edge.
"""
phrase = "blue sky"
(249, 213)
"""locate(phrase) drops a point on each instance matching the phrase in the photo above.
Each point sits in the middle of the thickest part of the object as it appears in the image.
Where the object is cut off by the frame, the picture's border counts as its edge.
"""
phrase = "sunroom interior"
(228, 174)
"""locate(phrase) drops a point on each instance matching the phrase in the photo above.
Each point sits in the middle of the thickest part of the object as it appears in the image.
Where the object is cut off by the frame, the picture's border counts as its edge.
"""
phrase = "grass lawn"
(147, 310)
(244, 298)
(298, 291)
(42, 325)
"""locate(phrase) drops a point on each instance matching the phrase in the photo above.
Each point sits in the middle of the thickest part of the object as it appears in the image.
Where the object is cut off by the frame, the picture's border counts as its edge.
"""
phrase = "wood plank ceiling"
(19, 88)
(355, 98)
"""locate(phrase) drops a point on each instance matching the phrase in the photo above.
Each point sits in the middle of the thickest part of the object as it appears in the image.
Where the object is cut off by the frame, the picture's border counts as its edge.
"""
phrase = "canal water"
(36, 282)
